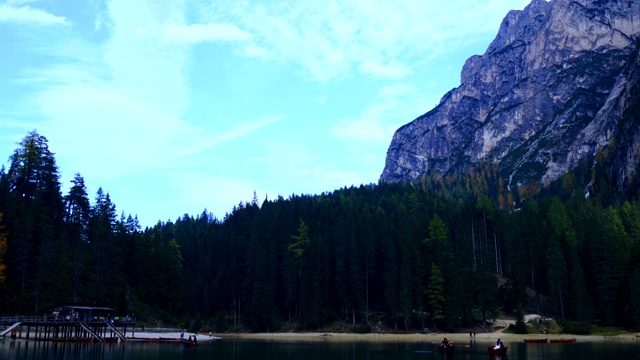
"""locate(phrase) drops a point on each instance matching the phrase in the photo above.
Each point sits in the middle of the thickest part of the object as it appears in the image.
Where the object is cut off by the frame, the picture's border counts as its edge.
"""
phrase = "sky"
(178, 106)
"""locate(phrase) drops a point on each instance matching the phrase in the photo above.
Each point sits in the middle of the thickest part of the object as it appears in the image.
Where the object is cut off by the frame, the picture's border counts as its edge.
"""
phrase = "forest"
(440, 253)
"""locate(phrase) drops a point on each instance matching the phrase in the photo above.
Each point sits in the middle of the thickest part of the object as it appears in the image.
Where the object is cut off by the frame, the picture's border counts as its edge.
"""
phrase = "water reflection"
(267, 350)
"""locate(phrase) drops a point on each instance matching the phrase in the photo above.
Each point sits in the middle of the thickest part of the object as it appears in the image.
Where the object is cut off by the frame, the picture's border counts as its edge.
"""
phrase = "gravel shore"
(432, 337)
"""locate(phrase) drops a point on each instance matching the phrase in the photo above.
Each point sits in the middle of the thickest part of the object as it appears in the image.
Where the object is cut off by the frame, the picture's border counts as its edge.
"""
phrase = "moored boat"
(497, 352)
(189, 343)
(563, 341)
(536, 341)
(158, 339)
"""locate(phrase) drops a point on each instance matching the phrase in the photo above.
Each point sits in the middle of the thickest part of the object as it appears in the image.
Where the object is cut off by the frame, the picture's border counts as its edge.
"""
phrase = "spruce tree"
(436, 294)
(34, 217)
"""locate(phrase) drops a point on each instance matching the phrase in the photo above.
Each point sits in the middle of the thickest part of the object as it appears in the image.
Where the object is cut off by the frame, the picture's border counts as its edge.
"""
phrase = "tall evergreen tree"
(436, 294)
(3, 249)
(104, 272)
(77, 216)
(34, 215)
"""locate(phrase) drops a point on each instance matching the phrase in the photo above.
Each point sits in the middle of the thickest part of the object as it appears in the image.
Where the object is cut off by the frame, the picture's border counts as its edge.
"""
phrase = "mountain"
(560, 80)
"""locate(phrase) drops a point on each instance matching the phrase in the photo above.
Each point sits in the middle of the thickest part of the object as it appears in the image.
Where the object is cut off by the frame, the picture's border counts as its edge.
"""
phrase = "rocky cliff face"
(553, 86)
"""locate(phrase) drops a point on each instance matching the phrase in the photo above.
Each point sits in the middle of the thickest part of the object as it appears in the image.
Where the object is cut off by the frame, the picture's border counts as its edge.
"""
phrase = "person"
(182, 335)
(499, 345)
(445, 343)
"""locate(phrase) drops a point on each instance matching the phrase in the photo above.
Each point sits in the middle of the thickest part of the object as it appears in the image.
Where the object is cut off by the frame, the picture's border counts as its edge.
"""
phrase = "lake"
(237, 349)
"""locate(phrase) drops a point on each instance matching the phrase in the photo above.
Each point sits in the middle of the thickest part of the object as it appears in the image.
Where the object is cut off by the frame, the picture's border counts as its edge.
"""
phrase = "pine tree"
(435, 292)
(35, 214)
(77, 216)
(104, 272)
(521, 326)
(3, 248)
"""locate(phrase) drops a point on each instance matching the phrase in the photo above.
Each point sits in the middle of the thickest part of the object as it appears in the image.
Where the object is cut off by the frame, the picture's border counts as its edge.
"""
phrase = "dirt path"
(500, 325)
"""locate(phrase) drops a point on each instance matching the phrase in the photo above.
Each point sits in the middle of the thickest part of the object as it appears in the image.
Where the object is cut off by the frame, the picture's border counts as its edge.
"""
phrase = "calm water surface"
(267, 350)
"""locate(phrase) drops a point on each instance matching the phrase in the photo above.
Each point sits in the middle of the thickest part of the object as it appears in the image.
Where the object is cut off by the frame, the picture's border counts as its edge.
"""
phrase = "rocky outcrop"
(551, 88)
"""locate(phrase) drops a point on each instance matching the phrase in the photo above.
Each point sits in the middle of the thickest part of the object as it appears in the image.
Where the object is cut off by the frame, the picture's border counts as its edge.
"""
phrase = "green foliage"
(361, 329)
(435, 292)
(520, 326)
(3, 249)
(446, 250)
(300, 241)
(568, 327)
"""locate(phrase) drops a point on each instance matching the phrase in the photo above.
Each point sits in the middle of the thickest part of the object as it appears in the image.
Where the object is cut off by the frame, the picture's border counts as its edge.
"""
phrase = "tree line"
(408, 256)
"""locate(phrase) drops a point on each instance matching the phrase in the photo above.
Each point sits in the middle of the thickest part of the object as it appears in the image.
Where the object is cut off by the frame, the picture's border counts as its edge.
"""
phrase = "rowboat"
(158, 339)
(536, 341)
(563, 341)
(497, 352)
(189, 343)
(447, 349)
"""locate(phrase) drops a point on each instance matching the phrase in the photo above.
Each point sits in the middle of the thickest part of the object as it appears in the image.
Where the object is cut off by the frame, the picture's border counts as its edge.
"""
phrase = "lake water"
(272, 350)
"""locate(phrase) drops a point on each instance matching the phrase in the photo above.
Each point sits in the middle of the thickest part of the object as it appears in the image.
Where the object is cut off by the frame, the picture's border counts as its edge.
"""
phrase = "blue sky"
(177, 106)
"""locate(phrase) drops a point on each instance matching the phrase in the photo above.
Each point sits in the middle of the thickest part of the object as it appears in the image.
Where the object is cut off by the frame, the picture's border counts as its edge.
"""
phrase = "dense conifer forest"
(441, 253)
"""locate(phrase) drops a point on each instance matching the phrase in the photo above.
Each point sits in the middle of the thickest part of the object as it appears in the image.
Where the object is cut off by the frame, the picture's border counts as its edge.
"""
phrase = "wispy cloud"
(203, 142)
(393, 106)
(375, 37)
(295, 160)
(246, 128)
(125, 99)
(392, 71)
(197, 33)
(28, 15)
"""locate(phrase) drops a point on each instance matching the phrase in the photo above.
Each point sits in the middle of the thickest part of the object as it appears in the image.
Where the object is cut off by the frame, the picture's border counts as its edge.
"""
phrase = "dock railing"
(117, 320)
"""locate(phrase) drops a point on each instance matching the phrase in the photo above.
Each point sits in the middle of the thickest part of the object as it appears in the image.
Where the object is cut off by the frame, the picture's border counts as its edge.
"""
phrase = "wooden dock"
(59, 328)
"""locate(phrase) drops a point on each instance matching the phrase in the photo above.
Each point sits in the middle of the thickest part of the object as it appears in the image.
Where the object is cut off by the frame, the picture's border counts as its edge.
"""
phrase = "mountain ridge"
(550, 90)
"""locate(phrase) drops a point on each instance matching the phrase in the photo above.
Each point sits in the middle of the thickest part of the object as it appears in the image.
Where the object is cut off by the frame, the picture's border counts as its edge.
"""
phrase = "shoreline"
(434, 338)
(459, 338)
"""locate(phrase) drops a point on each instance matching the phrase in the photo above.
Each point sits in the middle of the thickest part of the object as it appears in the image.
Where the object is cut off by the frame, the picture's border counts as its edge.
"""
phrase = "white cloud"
(243, 129)
(29, 15)
(394, 105)
(363, 129)
(330, 39)
(394, 71)
(124, 100)
(252, 52)
(320, 100)
(197, 33)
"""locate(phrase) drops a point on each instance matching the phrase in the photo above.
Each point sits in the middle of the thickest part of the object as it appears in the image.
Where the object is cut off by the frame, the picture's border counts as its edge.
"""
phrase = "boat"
(563, 341)
(497, 352)
(447, 349)
(536, 341)
(189, 343)
(158, 339)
